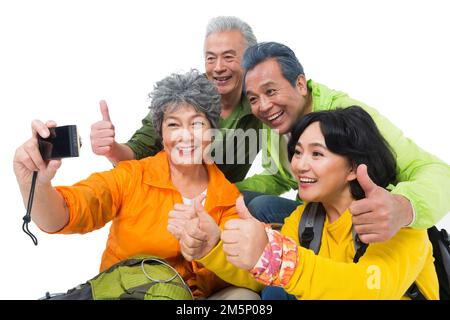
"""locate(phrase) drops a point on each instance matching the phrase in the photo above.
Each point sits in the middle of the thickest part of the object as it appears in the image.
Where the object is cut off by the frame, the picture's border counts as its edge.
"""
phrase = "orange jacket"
(137, 196)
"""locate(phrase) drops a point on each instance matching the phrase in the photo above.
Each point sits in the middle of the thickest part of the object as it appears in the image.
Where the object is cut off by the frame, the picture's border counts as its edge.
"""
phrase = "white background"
(59, 58)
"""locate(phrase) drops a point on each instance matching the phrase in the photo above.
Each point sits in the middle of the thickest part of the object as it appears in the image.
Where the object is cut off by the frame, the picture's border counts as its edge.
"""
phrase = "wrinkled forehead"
(265, 73)
(224, 41)
(182, 110)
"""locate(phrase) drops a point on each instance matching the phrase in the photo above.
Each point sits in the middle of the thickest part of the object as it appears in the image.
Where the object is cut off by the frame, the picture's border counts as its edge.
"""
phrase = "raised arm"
(423, 184)
(103, 141)
(49, 210)
(384, 272)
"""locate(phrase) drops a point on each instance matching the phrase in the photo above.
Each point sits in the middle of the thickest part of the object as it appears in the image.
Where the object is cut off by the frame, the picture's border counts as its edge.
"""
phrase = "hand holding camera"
(44, 150)
(42, 154)
(28, 158)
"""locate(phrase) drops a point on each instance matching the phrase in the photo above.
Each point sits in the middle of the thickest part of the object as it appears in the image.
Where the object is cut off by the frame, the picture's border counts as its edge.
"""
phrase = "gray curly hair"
(191, 88)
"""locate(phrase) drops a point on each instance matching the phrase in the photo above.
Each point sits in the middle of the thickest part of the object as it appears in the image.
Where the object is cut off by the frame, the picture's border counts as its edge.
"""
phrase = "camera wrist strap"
(27, 217)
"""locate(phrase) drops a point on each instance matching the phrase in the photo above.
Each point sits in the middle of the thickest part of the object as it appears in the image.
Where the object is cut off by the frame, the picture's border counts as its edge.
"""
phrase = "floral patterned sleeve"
(278, 261)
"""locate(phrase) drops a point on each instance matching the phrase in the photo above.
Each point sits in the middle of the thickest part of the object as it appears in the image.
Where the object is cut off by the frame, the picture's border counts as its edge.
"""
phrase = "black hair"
(352, 133)
(290, 67)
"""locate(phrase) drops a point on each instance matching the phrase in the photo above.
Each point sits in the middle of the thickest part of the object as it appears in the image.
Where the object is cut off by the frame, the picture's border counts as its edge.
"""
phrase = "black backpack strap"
(414, 293)
(360, 246)
(441, 253)
(311, 226)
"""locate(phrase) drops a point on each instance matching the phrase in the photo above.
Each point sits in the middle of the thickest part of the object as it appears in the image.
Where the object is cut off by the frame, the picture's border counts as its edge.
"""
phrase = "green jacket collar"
(322, 96)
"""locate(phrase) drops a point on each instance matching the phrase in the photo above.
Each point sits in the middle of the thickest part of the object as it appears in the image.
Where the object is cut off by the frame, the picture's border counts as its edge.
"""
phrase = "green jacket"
(146, 142)
(422, 178)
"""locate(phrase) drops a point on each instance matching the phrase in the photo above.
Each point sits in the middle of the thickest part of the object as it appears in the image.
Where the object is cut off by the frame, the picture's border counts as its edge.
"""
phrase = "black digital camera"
(63, 142)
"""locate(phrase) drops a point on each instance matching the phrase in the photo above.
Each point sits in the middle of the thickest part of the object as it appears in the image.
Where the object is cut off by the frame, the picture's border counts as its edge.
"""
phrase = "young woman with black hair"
(338, 157)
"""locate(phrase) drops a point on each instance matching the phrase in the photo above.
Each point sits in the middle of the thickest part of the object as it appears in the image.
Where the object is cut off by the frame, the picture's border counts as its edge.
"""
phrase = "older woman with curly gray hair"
(190, 88)
(139, 197)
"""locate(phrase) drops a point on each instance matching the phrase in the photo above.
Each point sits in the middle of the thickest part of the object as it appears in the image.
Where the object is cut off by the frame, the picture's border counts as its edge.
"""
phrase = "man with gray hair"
(226, 40)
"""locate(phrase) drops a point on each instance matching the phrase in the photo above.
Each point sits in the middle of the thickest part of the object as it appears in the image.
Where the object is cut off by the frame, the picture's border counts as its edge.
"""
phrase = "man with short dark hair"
(279, 94)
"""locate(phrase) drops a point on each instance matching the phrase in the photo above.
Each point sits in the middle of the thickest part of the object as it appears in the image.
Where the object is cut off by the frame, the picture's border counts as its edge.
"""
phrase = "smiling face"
(185, 135)
(273, 99)
(223, 54)
(322, 176)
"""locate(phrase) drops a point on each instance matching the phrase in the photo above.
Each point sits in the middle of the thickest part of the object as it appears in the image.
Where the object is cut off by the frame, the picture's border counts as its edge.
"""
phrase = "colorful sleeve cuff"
(278, 261)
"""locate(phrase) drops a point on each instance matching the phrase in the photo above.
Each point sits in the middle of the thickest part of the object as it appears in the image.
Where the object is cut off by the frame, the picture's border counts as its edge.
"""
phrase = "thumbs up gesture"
(200, 234)
(102, 133)
(244, 239)
(380, 215)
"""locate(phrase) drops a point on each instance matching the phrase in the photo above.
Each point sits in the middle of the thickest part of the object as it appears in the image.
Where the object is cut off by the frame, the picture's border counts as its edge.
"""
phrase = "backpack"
(136, 278)
(310, 237)
(441, 253)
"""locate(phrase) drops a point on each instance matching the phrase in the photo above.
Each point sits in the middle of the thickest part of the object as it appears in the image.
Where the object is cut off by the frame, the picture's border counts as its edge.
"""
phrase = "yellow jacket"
(385, 271)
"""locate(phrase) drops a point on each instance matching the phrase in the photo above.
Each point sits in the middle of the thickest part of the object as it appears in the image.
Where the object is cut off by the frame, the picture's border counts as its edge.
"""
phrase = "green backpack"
(136, 278)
